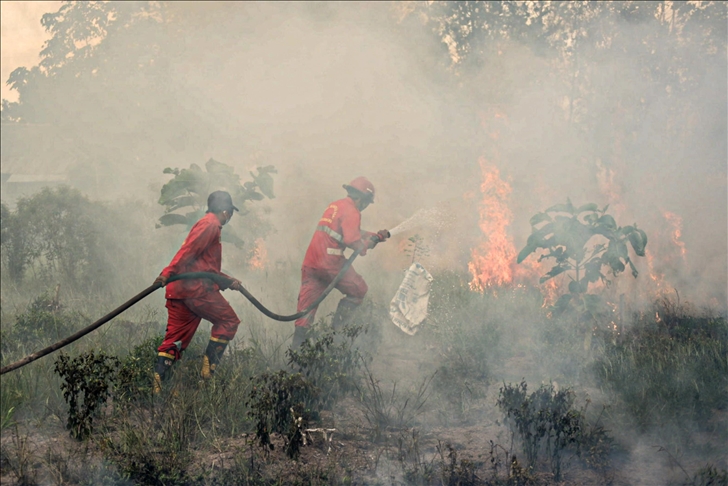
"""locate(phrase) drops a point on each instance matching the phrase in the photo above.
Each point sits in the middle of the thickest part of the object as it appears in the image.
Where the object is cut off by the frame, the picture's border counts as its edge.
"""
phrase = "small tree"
(189, 188)
(416, 248)
(55, 231)
(565, 232)
(87, 383)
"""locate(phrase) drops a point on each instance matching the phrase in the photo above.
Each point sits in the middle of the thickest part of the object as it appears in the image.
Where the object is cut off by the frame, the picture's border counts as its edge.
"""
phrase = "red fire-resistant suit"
(190, 301)
(337, 229)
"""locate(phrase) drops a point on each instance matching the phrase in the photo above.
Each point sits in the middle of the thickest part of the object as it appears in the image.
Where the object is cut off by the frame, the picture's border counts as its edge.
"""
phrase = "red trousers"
(315, 280)
(185, 315)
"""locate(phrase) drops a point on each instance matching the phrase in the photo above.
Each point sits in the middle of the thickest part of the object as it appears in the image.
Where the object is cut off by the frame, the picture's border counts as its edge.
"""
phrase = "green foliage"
(44, 321)
(56, 234)
(80, 53)
(187, 191)
(329, 363)
(285, 402)
(134, 380)
(277, 405)
(87, 382)
(17, 253)
(709, 475)
(189, 188)
(565, 232)
(545, 421)
(669, 366)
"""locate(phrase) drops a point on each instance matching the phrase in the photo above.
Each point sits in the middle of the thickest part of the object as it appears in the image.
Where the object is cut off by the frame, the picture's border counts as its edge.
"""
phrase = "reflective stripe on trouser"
(314, 282)
(185, 315)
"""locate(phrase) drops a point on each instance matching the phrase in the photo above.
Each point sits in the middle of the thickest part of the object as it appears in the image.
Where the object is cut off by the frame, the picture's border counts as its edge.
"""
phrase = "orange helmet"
(362, 186)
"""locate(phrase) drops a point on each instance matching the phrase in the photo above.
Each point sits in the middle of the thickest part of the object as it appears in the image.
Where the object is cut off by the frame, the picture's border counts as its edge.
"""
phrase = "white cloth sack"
(409, 307)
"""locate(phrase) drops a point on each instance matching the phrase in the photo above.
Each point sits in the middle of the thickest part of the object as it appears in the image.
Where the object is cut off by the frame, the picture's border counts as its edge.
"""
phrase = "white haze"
(330, 91)
(327, 92)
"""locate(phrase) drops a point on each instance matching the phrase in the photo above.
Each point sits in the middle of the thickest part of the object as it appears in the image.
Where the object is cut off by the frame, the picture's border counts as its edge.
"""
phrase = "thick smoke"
(330, 91)
(327, 92)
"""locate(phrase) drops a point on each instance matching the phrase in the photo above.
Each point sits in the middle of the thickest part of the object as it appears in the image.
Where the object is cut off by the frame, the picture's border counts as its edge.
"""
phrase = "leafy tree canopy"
(188, 190)
(582, 241)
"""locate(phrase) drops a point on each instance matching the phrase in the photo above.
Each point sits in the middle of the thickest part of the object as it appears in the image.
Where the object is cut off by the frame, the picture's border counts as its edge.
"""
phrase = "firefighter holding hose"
(338, 229)
(190, 301)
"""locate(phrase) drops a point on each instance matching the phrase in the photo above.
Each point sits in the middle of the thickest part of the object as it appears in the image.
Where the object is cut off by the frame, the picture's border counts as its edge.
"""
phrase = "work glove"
(377, 238)
(235, 285)
(160, 280)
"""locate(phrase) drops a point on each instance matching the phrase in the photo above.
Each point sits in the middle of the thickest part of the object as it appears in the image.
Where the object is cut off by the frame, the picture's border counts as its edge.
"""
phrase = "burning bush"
(565, 233)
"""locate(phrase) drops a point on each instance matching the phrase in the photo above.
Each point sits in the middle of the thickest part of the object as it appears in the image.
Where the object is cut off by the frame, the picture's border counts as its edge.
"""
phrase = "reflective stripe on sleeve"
(331, 233)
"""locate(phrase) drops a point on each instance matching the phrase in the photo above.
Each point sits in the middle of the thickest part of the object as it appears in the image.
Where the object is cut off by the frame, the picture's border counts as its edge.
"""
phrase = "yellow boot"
(161, 367)
(213, 354)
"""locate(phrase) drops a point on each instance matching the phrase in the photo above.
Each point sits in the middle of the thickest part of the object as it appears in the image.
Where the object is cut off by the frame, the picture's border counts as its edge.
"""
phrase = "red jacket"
(337, 229)
(200, 252)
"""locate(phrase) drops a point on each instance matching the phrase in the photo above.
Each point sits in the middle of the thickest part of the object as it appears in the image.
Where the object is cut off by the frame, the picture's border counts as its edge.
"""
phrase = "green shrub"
(670, 365)
(329, 362)
(546, 422)
(136, 371)
(147, 447)
(87, 382)
(55, 231)
(277, 405)
(44, 322)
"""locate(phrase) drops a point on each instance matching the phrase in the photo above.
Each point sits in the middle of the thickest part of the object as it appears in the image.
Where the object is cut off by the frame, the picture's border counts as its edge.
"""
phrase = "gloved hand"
(377, 238)
(160, 280)
(235, 285)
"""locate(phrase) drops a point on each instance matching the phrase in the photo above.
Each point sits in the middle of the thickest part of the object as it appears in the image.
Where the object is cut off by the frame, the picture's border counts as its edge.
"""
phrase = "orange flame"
(259, 259)
(492, 261)
(676, 233)
(666, 256)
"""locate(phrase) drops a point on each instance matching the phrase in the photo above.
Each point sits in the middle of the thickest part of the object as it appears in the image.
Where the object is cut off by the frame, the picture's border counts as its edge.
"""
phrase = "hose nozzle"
(381, 235)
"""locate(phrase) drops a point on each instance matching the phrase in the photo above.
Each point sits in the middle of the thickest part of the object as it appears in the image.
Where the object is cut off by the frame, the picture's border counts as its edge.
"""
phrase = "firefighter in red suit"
(337, 230)
(190, 301)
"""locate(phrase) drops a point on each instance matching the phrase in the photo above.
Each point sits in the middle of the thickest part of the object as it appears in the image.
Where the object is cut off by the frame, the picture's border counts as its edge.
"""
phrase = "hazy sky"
(22, 37)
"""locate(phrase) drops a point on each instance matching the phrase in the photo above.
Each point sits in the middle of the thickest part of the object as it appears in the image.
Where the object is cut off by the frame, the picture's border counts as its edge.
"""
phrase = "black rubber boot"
(213, 355)
(161, 372)
(343, 313)
(299, 336)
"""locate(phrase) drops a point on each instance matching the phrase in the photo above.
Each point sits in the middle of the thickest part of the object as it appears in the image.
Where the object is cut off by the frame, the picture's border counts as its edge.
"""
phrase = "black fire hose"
(219, 279)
